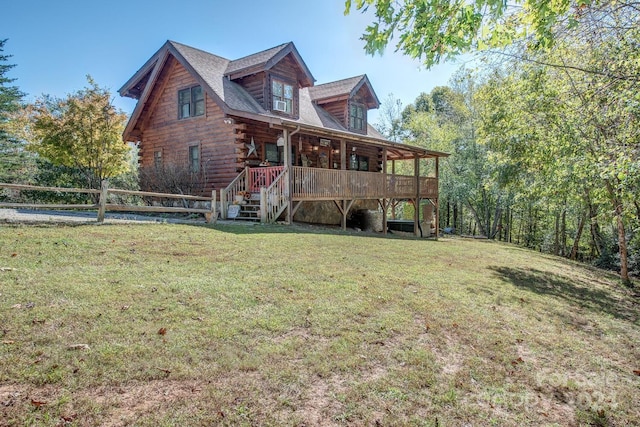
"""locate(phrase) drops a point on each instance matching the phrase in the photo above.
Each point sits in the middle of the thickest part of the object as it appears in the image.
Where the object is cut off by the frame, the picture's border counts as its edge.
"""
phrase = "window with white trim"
(281, 96)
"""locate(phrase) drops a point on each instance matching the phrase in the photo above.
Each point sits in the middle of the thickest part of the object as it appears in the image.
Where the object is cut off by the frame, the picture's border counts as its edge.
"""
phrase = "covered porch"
(316, 166)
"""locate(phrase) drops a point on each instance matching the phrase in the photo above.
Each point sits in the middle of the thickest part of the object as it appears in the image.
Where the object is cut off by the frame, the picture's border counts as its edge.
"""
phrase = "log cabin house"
(258, 126)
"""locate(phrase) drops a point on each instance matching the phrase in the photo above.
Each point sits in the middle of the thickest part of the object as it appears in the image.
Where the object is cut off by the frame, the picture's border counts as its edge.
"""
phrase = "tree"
(82, 131)
(437, 30)
(573, 136)
(14, 161)
(390, 119)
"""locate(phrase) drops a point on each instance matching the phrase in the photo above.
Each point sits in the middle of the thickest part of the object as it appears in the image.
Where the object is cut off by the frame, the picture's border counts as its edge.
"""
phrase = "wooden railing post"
(213, 215)
(263, 205)
(102, 204)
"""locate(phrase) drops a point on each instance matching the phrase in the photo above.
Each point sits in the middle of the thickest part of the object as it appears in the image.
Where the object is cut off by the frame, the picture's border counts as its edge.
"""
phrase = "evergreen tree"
(14, 160)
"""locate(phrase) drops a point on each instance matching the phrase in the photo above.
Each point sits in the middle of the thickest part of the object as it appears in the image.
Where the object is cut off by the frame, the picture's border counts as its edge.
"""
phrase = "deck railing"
(330, 184)
(262, 177)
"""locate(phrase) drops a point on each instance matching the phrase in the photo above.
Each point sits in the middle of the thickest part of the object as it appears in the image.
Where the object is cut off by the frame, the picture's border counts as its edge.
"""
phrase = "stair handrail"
(238, 184)
(273, 199)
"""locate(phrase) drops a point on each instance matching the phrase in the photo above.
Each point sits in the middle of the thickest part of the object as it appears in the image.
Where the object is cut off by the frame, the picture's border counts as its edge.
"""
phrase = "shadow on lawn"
(600, 298)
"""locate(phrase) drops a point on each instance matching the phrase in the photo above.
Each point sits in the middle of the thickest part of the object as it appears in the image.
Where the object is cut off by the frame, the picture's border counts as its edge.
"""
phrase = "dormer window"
(282, 96)
(357, 120)
(190, 102)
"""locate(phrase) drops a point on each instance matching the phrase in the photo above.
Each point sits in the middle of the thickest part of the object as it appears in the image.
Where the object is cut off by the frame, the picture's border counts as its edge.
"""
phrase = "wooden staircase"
(251, 210)
(268, 195)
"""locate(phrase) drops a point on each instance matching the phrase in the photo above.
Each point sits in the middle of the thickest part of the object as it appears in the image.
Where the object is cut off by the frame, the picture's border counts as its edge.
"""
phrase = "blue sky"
(55, 44)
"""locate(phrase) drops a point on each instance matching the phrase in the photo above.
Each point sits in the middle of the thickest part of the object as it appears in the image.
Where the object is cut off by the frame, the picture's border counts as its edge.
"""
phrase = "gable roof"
(266, 59)
(344, 89)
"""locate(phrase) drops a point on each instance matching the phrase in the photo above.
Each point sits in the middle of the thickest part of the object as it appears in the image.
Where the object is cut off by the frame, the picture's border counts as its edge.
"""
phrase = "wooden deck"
(331, 184)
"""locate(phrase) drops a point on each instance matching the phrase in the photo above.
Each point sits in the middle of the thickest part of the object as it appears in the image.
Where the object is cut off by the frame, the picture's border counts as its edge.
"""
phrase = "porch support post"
(343, 154)
(384, 204)
(287, 167)
(384, 160)
(416, 206)
(437, 203)
(344, 206)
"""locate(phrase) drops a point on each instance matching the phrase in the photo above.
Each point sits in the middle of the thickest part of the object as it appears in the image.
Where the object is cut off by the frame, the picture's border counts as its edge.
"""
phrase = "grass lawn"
(178, 325)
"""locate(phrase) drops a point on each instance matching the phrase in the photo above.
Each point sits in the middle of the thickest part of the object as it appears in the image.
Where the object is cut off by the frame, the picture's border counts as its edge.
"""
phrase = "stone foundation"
(326, 212)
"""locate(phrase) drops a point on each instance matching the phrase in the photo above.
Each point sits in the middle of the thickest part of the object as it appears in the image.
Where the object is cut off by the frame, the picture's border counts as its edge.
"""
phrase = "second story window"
(190, 102)
(282, 97)
(356, 117)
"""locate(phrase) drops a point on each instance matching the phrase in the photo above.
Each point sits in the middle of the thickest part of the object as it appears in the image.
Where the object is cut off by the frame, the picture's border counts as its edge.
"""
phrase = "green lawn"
(178, 325)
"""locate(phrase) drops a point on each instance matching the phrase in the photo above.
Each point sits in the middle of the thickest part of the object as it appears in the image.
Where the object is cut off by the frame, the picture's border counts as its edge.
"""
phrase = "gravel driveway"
(10, 215)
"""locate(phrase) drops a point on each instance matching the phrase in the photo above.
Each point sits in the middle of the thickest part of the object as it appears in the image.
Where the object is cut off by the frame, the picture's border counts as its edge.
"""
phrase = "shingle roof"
(345, 87)
(255, 59)
(340, 87)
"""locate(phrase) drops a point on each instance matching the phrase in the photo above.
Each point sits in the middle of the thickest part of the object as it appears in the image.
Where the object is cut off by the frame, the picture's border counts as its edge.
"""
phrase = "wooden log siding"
(339, 111)
(255, 84)
(164, 132)
(328, 184)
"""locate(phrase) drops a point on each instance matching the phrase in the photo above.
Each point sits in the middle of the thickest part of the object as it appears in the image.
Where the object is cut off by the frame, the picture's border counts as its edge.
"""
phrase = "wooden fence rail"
(103, 205)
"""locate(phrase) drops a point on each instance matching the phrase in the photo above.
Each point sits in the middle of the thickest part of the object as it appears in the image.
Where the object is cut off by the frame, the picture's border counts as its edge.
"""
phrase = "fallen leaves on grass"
(37, 403)
(637, 372)
(68, 418)
(8, 342)
(79, 347)
(162, 331)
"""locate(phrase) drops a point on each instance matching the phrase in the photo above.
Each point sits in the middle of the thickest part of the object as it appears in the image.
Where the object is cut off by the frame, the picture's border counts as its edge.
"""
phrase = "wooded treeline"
(545, 143)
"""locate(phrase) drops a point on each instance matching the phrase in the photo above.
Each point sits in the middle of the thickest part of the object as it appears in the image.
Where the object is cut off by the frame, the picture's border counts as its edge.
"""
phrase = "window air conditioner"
(280, 106)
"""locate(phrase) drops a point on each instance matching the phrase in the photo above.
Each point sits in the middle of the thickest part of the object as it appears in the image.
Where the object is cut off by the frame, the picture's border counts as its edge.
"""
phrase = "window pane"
(364, 163)
(185, 96)
(288, 91)
(289, 105)
(184, 111)
(194, 158)
(277, 89)
(271, 153)
(199, 108)
(197, 93)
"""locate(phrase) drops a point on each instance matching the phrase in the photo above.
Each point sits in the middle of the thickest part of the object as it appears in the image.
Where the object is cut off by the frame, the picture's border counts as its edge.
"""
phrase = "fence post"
(102, 204)
(223, 203)
(213, 215)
